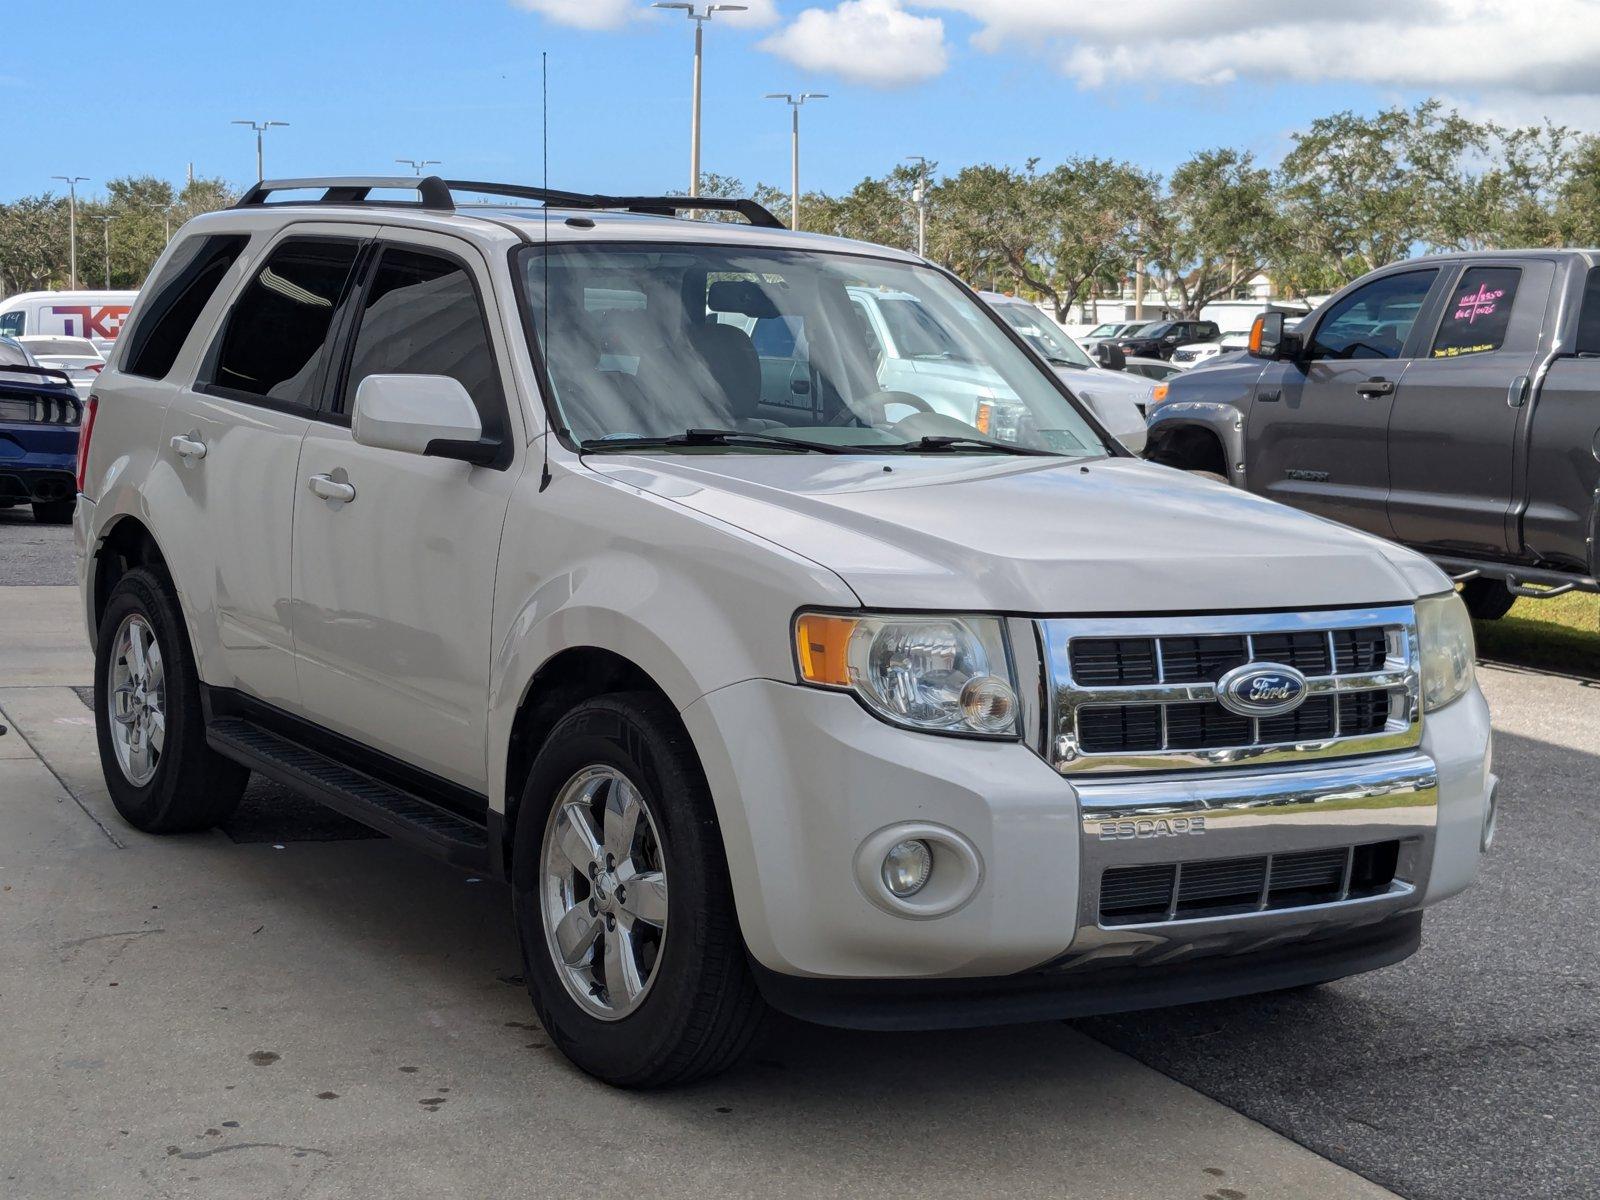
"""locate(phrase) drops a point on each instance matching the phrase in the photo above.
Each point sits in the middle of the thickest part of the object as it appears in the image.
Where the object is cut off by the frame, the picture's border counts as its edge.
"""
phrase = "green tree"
(1214, 229)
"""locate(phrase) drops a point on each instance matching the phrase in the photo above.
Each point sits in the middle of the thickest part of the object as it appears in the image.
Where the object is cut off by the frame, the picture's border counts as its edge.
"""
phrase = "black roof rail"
(434, 195)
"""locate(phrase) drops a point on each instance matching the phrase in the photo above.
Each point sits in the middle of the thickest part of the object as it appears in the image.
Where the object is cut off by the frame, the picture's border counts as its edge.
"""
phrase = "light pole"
(260, 127)
(699, 18)
(418, 163)
(105, 224)
(919, 197)
(72, 182)
(795, 103)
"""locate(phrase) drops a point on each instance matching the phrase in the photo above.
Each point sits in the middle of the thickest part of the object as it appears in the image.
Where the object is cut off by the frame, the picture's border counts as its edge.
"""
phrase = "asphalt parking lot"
(292, 1007)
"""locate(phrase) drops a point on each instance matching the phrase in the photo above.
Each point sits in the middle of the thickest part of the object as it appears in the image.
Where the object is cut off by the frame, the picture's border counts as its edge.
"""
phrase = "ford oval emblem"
(1261, 690)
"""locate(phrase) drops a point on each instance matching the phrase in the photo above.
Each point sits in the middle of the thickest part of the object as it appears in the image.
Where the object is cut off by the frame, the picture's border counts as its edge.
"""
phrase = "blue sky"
(102, 89)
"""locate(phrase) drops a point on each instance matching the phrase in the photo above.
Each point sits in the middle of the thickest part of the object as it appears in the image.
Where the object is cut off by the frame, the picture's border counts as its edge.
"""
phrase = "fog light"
(988, 704)
(907, 866)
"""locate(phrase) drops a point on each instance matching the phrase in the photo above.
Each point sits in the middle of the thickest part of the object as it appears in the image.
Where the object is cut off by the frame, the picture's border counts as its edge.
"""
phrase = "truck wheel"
(161, 774)
(630, 945)
(54, 512)
(1487, 599)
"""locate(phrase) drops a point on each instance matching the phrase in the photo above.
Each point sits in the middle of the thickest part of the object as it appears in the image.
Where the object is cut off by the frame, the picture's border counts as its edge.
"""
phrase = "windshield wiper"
(708, 437)
(938, 443)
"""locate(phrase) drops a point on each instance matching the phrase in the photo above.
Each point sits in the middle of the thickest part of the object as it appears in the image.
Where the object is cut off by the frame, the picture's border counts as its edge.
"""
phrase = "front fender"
(1178, 421)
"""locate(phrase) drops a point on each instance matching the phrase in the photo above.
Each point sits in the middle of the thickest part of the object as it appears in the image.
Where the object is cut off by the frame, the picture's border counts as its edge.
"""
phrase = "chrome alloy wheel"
(603, 892)
(136, 696)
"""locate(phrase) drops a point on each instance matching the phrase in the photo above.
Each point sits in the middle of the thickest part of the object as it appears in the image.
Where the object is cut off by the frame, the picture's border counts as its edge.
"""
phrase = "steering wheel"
(876, 404)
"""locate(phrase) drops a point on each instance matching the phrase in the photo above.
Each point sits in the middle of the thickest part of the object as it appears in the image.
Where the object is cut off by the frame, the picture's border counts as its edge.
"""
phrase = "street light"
(418, 163)
(795, 103)
(919, 197)
(105, 224)
(260, 127)
(699, 18)
(72, 182)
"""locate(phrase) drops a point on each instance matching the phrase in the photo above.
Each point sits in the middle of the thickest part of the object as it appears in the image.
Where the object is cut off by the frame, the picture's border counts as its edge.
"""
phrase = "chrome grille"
(1140, 693)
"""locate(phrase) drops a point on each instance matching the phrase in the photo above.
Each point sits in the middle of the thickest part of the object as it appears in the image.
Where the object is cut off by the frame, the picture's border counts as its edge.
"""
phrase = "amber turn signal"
(821, 643)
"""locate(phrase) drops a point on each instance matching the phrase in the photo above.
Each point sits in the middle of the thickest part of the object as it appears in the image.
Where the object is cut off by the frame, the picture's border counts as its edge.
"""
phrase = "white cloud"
(614, 14)
(1543, 47)
(872, 42)
(584, 14)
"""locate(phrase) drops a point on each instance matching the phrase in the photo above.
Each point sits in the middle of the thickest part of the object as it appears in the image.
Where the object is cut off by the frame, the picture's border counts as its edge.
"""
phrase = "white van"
(96, 315)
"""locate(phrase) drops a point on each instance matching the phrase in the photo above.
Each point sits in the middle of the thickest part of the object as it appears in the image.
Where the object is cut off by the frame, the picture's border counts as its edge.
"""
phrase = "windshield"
(1102, 331)
(784, 351)
(1043, 334)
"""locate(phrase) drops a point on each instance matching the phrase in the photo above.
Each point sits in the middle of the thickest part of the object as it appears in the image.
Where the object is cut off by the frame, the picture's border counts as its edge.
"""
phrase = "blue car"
(40, 415)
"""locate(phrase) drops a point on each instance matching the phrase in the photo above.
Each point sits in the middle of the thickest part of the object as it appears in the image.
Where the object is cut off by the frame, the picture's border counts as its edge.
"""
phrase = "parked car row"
(771, 614)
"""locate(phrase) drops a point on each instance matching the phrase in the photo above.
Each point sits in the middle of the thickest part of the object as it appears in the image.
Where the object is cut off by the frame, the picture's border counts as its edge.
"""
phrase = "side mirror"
(420, 414)
(1111, 357)
(1268, 339)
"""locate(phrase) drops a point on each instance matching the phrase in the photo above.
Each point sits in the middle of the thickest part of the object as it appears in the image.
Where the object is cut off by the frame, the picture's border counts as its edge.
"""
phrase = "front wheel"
(630, 945)
(1487, 599)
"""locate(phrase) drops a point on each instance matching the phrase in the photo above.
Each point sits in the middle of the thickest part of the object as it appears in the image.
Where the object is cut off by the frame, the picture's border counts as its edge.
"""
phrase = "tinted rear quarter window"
(1479, 313)
(176, 299)
(275, 341)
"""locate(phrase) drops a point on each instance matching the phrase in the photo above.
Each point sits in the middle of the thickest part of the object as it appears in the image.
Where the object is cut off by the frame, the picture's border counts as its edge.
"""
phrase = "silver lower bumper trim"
(1200, 818)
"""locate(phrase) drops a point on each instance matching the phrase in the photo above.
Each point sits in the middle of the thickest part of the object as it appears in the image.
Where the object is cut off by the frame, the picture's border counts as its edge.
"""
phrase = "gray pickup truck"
(1451, 403)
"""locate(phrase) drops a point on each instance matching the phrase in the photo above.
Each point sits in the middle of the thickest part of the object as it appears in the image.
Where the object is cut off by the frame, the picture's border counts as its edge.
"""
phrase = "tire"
(698, 1009)
(54, 512)
(1487, 599)
(189, 785)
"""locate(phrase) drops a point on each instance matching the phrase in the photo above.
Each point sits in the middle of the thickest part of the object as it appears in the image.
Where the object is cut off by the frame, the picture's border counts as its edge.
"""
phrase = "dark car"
(1448, 403)
(40, 415)
(1160, 339)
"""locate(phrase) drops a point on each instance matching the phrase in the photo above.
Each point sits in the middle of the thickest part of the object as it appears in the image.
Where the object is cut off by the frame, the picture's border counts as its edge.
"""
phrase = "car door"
(1458, 410)
(232, 440)
(1319, 422)
(393, 588)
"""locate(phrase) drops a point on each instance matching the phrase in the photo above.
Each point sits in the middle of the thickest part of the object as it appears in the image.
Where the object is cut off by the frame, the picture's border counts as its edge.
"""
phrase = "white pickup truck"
(477, 525)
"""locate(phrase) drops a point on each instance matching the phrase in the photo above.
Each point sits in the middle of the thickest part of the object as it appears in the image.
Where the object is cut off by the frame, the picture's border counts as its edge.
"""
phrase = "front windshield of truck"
(1044, 335)
(703, 348)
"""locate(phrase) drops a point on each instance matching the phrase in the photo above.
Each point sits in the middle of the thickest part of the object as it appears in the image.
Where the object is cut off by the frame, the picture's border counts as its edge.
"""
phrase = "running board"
(359, 796)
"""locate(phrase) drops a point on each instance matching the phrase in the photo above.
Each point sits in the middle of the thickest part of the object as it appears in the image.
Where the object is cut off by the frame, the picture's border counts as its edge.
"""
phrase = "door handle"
(188, 447)
(329, 488)
(1270, 397)
(1517, 393)
(1373, 388)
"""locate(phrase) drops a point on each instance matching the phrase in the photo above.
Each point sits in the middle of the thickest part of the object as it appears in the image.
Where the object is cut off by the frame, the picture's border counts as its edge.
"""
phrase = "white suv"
(477, 525)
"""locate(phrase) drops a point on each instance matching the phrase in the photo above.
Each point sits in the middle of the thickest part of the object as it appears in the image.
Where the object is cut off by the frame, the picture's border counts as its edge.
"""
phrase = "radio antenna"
(549, 400)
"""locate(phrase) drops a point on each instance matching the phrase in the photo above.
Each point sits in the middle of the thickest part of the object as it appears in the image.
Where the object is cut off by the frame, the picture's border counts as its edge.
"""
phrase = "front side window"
(1373, 321)
(12, 324)
(782, 343)
(421, 316)
(1479, 313)
(275, 341)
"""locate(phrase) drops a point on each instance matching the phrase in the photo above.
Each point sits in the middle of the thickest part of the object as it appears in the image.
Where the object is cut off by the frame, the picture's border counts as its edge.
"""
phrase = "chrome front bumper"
(1212, 816)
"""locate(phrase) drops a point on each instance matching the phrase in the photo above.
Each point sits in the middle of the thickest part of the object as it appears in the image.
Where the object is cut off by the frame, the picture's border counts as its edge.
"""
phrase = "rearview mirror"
(430, 415)
(1110, 357)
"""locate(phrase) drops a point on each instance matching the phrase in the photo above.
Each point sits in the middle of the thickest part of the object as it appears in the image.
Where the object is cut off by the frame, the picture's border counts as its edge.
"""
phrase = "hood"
(1030, 535)
(1097, 381)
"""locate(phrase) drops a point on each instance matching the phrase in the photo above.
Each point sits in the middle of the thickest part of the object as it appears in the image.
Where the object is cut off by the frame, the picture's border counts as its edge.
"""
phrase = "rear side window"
(421, 316)
(176, 300)
(1476, 319)
(1589, 315)
(275, 341)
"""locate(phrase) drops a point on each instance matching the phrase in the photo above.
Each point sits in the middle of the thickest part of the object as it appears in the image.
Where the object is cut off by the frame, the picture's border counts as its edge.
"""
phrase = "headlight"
(1444, 640)
(943, 674)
